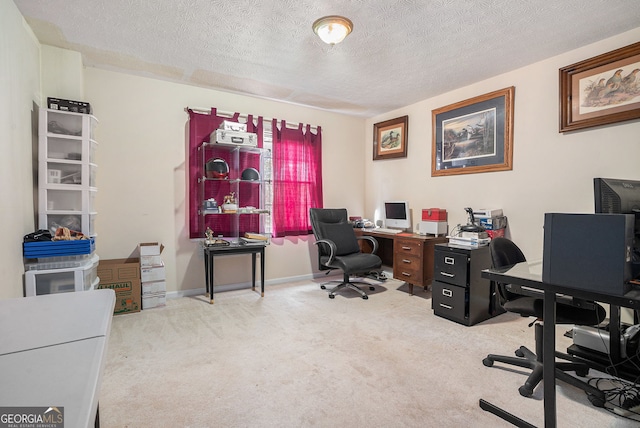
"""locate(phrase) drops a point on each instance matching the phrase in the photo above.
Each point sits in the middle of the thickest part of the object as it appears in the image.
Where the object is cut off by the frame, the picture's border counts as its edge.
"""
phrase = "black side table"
(253, 249)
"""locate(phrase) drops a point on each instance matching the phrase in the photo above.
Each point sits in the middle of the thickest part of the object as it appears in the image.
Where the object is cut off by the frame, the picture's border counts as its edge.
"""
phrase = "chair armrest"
(373, 240)
(332, 249)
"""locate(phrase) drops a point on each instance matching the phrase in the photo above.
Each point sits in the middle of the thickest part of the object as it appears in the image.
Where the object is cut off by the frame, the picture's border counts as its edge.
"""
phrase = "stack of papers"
(469, 242)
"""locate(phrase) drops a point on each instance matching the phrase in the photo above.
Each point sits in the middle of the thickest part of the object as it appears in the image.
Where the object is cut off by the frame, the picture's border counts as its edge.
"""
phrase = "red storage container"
(496, 233)
(434, 214)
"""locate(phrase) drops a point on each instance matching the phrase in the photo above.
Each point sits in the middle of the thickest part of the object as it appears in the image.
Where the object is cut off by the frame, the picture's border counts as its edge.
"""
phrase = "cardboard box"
(150, 249)
(153, 287)
(122, 276)
(154, 300)
(155, 273)
(487, 212)
(432, 227)
(151, 261)
(434, 214)
(493, 223)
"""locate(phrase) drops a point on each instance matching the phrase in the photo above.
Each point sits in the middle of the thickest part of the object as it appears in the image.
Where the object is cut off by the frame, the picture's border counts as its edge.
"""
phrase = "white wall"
(19, 90)
(552, 172)
(63, 73)
(142, 138)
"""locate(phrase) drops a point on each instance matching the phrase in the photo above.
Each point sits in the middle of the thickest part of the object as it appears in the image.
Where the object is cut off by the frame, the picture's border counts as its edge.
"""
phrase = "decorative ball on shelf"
(217, 168)
(250, 174)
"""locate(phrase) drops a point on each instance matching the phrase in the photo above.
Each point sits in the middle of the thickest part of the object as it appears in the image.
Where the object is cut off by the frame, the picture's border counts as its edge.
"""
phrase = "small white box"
(154, 287)
(54, 176)
(150, 248)
(154, 301)
(227, 125)
(432, 227)
(151, 261)
(150, 274)
(487, 212)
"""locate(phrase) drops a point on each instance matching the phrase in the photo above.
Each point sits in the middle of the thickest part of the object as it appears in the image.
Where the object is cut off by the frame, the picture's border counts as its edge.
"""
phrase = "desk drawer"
(450, 267)
(449, 301)
(408, 247)
(407, 261)
(408, 268)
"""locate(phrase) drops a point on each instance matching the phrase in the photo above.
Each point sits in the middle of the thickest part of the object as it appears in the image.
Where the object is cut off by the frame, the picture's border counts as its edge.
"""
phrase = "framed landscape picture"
(475, 135)
(390, 138)
(601, 90)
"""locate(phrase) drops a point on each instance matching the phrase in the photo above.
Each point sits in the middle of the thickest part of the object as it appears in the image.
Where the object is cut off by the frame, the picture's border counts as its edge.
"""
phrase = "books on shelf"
(256, 236)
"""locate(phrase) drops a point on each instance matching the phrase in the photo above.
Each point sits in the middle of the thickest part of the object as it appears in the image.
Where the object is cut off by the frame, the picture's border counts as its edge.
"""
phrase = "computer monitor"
(619, 196)
(397, 215)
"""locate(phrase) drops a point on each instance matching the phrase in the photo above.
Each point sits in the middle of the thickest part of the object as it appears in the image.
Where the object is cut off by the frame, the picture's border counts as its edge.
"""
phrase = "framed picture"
(390, 138)
(601, 90)
(475, 135)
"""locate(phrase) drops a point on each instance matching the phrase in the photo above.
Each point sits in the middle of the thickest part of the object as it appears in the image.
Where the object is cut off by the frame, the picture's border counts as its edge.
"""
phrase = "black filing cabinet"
(459, 293)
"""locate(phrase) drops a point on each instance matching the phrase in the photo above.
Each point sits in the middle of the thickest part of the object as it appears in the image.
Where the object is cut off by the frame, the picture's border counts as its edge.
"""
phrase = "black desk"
(253, 249)
(529, 274)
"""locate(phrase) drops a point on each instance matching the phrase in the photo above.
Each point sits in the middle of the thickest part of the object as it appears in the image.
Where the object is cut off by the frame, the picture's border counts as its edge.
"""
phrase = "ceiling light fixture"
(332, 29)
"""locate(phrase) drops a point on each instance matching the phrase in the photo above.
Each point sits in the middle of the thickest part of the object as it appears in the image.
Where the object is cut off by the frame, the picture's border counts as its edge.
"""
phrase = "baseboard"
(241, 285)
(238, 286)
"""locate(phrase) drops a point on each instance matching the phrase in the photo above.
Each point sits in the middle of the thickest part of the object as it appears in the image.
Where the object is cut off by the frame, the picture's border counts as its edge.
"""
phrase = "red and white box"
(434, 214)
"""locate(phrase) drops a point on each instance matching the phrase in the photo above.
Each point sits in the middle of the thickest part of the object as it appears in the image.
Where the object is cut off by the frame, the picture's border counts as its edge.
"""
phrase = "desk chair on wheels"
(505, 253)
(338, 249)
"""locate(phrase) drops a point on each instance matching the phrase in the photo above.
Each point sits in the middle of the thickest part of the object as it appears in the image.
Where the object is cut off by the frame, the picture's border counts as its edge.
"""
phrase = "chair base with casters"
(527, 359)
(347, 283)
(505, 253)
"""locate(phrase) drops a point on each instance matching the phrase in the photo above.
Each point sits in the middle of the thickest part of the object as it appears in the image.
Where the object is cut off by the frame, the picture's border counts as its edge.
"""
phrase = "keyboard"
(383, 230)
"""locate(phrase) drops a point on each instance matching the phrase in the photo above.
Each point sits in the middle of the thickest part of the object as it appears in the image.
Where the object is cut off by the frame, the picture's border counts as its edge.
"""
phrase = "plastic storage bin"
(51, 281)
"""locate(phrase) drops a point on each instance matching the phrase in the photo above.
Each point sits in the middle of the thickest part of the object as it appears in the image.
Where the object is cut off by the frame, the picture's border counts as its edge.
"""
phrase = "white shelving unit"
(67, 171)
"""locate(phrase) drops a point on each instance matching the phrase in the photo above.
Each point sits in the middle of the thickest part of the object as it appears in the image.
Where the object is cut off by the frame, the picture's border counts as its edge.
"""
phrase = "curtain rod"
(243, 116)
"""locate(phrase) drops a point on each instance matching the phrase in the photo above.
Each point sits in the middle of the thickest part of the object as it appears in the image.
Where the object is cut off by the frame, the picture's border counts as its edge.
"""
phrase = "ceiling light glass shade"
(332, 29)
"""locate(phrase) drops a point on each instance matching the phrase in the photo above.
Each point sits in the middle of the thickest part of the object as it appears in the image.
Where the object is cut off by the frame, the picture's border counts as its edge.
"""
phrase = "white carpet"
(296, 358)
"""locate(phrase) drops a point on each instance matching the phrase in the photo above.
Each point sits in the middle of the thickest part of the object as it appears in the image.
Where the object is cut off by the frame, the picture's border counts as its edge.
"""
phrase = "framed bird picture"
(601, 90)
(390, 138)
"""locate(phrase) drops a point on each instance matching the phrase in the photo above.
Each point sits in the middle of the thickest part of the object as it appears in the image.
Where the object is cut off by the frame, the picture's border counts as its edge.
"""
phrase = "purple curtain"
(201, 125)
(297, 175)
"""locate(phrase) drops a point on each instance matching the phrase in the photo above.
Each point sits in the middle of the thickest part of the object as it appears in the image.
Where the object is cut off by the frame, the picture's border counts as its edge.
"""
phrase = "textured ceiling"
(400, 51)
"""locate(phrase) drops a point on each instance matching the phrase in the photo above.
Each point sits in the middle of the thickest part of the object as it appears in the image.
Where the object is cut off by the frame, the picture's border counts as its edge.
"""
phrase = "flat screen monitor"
(616, 196)
(397, 215)
(619, 196)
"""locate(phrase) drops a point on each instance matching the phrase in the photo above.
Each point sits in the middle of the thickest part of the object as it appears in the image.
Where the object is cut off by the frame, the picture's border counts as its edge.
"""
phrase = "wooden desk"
(253, 249)
(529, 274)
(53, 352)
(410, 255)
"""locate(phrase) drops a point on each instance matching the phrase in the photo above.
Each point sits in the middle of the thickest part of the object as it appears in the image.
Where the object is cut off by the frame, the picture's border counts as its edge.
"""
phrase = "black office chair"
(338, 249)
(505, 253)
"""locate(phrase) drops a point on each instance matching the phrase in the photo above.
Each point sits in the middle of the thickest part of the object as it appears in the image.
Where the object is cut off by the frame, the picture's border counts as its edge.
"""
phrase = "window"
(297, 178)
